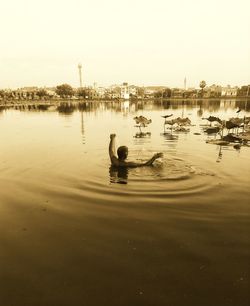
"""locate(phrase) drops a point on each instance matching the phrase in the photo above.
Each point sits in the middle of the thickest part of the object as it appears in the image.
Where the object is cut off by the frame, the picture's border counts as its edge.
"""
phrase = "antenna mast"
(80, 74)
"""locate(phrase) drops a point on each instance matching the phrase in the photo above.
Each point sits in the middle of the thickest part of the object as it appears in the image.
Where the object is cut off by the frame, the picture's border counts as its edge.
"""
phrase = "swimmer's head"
(122, 152)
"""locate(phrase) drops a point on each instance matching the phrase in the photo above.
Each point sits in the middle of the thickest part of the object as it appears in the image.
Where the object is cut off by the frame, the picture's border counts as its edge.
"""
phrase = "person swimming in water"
(122, 153)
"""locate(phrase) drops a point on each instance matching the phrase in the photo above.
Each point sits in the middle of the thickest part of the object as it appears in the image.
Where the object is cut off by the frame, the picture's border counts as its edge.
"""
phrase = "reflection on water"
(82, 128)
(72, 227)
(173, 135)
(66, 108)
(195, 109)
(170, 136)
(166, 169)
(142, 135)
(135, 106)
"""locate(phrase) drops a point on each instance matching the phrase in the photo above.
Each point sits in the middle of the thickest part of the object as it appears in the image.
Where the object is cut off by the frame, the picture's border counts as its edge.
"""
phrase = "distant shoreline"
(14, 102)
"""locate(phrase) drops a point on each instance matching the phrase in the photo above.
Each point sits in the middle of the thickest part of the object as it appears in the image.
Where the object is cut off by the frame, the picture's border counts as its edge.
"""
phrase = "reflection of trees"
(150, 105)
(2, 108)
(42, 107)
(84, 106)
(34, 107)
(66, 108)
(245, 105)
(166, 104)
(228, 104)
(200, 110)
(209, 105)
(139, 105)
(235, 104)
(117, 106)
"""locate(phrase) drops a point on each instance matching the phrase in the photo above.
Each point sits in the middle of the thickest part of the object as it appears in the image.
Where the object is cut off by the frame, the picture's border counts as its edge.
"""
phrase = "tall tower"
(185, 83)
(80, 74)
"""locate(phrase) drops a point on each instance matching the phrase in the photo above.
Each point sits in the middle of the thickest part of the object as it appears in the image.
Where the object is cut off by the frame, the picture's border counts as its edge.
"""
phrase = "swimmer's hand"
(158, 155)
(112, 136)
(150, 162)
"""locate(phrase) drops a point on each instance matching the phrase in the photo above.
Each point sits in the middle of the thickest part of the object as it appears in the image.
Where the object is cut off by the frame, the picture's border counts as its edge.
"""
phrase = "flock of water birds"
(235, 130)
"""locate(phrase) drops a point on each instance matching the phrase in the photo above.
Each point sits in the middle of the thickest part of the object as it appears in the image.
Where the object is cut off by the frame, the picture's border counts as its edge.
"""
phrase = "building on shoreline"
(213, 91)
(229, 91)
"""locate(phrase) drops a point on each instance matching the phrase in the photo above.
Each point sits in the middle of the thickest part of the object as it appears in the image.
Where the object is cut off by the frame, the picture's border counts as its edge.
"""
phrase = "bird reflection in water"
(142, 135)
(169, 136)
(219, 157)
(118, 175)
(200, 112)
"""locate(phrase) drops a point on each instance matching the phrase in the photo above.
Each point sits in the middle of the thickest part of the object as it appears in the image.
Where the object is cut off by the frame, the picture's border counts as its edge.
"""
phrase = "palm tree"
(202, 86)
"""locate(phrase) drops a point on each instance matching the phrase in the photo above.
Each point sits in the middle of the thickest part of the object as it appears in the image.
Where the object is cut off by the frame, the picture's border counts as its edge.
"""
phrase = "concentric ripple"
(172, 178)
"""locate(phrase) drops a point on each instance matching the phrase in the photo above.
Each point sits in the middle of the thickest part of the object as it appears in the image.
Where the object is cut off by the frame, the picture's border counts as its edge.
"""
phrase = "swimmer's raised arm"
(112, 154)
(112, 145)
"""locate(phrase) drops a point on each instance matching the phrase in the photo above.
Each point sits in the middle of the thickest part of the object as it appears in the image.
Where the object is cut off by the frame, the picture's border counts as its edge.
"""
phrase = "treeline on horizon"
(66, 91)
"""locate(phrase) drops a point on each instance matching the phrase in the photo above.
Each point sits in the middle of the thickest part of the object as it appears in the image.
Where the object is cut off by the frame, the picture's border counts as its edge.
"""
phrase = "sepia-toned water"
(76, 231)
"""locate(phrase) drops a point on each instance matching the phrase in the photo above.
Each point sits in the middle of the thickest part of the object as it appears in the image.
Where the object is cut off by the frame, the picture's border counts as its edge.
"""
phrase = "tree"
(167, 93)
(41, 93)
(140, 92)
(158, 94)
(202, 86)
(64, 91)
(81, 93)
(2, 93)
(164, 93)
(243, 91)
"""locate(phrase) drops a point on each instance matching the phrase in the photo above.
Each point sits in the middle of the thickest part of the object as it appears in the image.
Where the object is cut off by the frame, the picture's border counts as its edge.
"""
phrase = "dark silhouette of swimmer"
(122, 153)
(118, 175)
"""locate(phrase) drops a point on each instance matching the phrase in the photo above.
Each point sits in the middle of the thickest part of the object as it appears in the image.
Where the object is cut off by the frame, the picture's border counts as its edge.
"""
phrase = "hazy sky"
(139, 41)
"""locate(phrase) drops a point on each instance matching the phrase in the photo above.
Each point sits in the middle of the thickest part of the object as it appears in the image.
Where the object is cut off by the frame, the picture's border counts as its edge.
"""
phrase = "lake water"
(75, 231)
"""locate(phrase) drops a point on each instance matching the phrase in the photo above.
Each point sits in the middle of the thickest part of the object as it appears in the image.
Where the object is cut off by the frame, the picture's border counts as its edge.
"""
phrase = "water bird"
(213, 119)
(231, 138)
(212, 130)
(166, 121)
(183, 121)
(179, 121)
(244, 136)
(239, 110)
(219, 142)
(246, 120)
(170, 122)
(181, 129)
(237, 147)
(142, 121)
(231, 125)
(167, 116)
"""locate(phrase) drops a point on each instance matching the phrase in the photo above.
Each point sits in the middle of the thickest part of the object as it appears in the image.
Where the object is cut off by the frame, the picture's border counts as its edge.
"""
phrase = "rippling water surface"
(76, 231)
